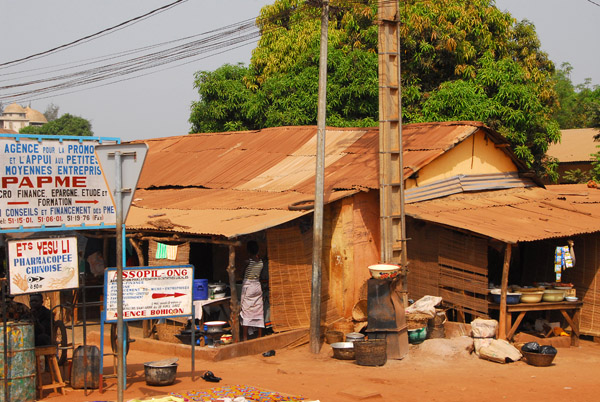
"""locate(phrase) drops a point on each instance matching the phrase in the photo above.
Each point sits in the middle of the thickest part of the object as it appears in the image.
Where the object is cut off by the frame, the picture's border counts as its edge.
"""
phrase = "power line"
(93, 36)
(594, 3)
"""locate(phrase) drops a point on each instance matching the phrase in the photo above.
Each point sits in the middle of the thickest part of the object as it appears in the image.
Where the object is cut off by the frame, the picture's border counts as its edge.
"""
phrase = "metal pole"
(119, 241)
(315, 307)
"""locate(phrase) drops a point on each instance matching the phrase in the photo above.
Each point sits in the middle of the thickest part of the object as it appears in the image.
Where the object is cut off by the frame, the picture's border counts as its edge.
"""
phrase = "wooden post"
(233, 303)
(503, 290)
(315, 298)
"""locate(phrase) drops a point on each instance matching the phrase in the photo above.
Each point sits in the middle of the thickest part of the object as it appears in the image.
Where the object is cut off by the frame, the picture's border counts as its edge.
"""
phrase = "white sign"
(150, 292)
(42, 265)
(52, 183)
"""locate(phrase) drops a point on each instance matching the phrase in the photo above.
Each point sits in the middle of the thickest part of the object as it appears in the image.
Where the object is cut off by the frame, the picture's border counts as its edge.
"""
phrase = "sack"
(500, 351)
(425, 305)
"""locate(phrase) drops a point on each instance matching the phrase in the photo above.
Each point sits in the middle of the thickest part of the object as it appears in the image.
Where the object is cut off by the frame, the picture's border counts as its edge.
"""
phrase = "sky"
(158, 104)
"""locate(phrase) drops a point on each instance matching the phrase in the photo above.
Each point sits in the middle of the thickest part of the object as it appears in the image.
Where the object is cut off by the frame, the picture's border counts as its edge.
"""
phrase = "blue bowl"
(511, 298)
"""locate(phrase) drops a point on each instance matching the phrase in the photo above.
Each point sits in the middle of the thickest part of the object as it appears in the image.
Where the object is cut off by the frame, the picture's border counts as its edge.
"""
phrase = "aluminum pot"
(160, 375)
(354, 336)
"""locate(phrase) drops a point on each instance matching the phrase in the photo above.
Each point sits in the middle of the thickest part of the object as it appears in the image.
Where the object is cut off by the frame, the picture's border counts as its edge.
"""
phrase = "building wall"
(350, 245)
(475, 155)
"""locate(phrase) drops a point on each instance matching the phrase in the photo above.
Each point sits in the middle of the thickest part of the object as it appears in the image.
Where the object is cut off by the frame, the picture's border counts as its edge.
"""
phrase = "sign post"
(132, 156)
(52, 183)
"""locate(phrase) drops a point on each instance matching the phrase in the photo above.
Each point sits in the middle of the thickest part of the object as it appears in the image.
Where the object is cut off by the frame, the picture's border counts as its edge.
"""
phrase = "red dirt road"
(421, 376)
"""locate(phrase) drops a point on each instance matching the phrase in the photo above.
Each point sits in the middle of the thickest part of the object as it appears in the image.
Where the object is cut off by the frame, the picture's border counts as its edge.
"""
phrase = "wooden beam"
(234, 305)
(503, 290)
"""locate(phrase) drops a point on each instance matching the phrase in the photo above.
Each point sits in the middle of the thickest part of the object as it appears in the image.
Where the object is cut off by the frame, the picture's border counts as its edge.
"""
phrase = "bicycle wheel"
(59, 336)
(113, 336)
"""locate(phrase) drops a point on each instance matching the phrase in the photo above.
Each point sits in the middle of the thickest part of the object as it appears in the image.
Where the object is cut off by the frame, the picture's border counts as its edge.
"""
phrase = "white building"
(15, 117)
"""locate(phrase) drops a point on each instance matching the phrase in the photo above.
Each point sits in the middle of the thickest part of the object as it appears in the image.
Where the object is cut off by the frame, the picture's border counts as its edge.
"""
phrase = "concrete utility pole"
(391, 178)
(315, 301)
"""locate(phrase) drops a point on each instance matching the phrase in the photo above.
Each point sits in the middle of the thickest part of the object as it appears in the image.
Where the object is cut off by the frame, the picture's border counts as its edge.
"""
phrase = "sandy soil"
(433, 371)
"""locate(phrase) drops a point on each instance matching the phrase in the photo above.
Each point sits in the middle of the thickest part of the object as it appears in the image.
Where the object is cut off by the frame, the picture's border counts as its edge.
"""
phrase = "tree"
(51, 112)
(65, 125)
(451, 49)
(579, 104)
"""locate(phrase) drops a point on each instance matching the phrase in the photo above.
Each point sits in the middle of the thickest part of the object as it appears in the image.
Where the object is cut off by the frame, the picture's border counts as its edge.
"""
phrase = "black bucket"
(160, 375)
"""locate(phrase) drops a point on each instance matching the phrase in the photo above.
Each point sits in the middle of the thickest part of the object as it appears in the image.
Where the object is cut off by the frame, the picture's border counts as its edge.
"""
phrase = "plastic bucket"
(200, 289)
(20, 362)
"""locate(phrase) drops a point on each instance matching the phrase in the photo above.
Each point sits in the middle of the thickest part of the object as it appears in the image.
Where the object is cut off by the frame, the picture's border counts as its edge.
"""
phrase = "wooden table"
(570, 311)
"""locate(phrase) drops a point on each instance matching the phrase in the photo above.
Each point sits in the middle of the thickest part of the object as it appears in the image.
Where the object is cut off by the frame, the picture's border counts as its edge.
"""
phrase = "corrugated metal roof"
(225, 174)
(227, 213)
(576, 145)
(517, 215)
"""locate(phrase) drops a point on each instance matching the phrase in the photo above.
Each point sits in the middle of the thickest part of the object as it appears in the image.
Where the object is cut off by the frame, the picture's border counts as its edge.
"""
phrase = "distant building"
(574, 151)
(15, 117)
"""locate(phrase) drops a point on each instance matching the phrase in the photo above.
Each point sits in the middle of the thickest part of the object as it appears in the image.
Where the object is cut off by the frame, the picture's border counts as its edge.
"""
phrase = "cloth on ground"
(250, 393)
(252, 304)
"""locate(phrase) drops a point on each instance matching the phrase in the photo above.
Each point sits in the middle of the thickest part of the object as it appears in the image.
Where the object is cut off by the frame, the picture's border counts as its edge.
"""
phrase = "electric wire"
(95, 35)
(220, 41)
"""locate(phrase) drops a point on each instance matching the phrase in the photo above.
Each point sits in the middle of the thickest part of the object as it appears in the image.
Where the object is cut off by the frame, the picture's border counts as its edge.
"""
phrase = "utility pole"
(315, 298)
(391, 177)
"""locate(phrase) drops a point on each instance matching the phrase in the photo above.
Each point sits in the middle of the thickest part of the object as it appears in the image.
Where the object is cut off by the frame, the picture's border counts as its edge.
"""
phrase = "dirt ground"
(433, 371)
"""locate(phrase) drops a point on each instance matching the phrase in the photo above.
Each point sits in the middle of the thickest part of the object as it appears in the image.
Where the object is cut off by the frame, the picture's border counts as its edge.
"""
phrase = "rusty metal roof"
(519, 214)
(576, 145)
(233, 183)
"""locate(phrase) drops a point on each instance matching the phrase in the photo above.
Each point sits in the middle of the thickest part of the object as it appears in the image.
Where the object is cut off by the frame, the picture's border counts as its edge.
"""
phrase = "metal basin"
(160, 372)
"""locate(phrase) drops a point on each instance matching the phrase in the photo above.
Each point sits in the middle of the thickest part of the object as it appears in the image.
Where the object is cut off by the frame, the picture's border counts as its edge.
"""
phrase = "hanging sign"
(42, 265)
(47, 182)
(150, 292)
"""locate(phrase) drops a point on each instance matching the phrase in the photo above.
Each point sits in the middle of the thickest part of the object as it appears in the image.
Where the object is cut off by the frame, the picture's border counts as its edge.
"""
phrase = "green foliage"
(65, 125)
(576, 176)
(579, 105)
(461, 60)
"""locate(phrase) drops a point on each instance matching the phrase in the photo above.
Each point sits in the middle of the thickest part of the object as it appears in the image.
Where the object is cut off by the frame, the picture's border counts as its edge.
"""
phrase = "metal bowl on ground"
(538, 359)
(553, 295)
(384, 271)
(343, 350)
(161, 372)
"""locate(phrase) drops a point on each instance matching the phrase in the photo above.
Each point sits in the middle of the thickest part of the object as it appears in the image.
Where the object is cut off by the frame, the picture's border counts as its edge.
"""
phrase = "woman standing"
(252, 297)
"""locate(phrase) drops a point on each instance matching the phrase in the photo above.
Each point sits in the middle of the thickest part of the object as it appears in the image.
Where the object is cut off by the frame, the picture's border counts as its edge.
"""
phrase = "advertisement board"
(42, 265)
(150, 292)
(49, 183)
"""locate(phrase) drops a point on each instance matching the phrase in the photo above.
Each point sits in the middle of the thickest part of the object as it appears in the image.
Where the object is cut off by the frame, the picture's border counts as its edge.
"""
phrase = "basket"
(334, 336)
(417, 320)
(372, 352)
(359, 311)
(167, 332)
(538, 359)
(343, 326)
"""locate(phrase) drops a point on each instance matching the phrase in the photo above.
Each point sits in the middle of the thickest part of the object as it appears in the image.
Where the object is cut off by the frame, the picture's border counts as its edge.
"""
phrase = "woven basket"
(372, 352)
(359, 312)
(167, 332)
(343, 326)
(417, 320)
(334, 336)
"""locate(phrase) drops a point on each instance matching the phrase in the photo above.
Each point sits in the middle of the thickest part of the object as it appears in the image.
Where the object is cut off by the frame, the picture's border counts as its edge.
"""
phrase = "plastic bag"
(481, 328)
(425, 305)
